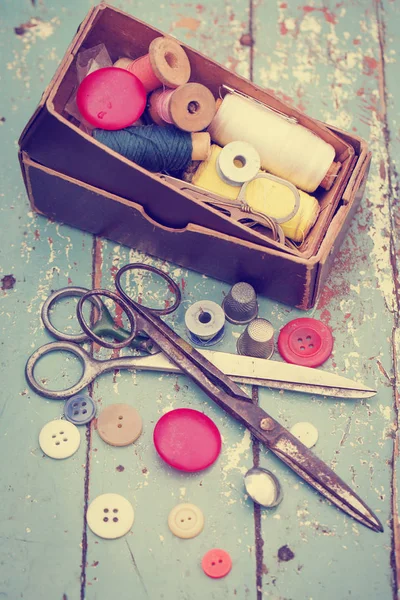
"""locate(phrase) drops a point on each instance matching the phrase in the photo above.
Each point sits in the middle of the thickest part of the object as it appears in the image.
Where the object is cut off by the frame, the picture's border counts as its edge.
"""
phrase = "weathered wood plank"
(151, 560)
(326, 60)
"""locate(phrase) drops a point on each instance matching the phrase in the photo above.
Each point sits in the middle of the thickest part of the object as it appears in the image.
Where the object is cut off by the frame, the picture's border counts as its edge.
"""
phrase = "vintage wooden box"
(72, 178)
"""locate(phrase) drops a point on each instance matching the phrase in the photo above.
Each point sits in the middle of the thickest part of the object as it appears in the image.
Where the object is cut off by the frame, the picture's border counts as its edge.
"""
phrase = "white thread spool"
(287, 149)
(205, 320)
(237, 163)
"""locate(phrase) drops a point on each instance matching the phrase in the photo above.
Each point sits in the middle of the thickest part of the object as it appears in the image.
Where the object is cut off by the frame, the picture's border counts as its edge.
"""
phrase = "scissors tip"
(374, 523)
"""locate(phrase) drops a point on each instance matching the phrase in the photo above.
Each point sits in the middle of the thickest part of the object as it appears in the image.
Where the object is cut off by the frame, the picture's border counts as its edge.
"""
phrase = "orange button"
(119, 425)
(216, 563)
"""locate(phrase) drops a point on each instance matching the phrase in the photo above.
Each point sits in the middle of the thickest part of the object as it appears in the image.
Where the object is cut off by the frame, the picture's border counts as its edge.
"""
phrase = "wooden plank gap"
(259, 542)
(97, 246)
(393, 186)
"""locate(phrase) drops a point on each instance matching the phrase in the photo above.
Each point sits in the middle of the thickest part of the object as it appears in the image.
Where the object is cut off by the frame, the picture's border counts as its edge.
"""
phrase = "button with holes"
(119, 425)
(59, 439)
(79, 409)
(306, 433)
(186, 521)
(306, 342)
(216, 563)
(110, 516)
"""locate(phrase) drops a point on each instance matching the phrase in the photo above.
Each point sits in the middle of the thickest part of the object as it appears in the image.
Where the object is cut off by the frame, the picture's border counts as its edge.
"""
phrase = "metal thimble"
(257, 340)
(240, 305)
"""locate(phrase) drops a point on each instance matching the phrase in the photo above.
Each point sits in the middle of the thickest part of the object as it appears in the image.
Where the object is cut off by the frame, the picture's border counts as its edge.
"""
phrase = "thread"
(205, 323)
(287, 150)
(191, 107)
(268, 197)
(141, 67)
(166, 64)
(162, 106)
(237, 163)
(158, 149)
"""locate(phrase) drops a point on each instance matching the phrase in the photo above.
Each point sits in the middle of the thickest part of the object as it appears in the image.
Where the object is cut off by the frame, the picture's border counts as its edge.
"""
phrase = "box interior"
(125, 36)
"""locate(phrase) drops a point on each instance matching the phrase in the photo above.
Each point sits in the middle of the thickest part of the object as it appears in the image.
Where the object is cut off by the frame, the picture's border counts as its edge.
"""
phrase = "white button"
(59, 439)
(186, 521)
(110, 516)
(306, 433)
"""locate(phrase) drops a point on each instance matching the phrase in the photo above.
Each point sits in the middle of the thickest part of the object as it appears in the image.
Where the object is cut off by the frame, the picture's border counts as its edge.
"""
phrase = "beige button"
(110, 516)
(119, 425)
(186, 521)
(306, 433)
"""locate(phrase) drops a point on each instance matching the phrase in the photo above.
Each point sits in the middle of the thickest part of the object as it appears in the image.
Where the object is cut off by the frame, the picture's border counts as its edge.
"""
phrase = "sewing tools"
(191, 107)
(237, 163)
(156, 148)
(166, 64)
(287, 149)
(293, 209)
(240, 304)
(205, 321)
(111, 98)
(237, 210)
(242, 369)
(257, 339)
(220, 388)
(263, 487)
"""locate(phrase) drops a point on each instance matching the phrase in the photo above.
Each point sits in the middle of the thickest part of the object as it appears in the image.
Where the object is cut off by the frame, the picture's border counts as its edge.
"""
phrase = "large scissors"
(218, 386)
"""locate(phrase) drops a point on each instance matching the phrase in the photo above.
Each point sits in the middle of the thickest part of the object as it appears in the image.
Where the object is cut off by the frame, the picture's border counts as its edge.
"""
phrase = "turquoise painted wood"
(338, 62)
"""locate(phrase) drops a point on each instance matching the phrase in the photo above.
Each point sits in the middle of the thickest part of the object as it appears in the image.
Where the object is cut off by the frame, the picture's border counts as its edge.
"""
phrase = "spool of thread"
(287, 149)
(158, 149)
(237, 163)
(166, 64)
(191, 107)
(268, 197)
(205, 323)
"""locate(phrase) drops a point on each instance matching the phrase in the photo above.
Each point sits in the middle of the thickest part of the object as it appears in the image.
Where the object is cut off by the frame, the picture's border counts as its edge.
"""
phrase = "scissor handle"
(125, 307)
(52, 299)
(88, 375)
(174, 288)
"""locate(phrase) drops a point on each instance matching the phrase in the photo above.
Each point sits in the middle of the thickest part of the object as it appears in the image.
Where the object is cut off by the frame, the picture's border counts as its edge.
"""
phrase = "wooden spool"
(192, 107)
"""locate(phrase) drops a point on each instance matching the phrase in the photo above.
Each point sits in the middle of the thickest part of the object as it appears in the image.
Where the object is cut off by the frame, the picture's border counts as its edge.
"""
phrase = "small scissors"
(218, 386)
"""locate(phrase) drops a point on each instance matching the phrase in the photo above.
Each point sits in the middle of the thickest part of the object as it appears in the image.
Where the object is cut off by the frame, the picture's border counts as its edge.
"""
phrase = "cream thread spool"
(190, 107)
(237, 163)
(287, 149)
(205, 323)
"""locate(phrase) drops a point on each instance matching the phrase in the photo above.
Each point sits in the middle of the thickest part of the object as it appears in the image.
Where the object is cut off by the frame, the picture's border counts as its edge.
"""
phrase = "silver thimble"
(257, 340)
(240, 305)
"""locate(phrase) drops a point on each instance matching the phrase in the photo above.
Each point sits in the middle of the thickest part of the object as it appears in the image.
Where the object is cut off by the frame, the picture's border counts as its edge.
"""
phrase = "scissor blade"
(287, 377)
(317, 474)
(272, 374)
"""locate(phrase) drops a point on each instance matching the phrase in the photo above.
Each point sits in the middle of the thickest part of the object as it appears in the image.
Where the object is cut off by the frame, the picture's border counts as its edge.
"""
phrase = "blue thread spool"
(205, 323)
(158, 149)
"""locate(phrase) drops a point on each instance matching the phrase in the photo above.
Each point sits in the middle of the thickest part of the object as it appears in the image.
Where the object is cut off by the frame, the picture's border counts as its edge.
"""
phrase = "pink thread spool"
(166, 64)
(190, 107)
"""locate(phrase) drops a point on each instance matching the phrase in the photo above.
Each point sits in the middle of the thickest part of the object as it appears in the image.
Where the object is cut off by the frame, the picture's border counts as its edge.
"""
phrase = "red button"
(306, 342)
(111, 98)
(187, 439)
(216, 563)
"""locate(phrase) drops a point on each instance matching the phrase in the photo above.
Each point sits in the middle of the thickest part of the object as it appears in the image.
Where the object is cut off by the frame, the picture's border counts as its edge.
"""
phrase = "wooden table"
(338, 62)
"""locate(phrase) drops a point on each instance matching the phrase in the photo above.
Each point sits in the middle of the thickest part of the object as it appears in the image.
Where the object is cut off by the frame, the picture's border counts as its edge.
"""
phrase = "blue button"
(79, 409)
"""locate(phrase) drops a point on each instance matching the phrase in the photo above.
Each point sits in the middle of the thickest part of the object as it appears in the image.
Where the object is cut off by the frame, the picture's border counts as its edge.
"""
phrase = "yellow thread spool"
(268, 197)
